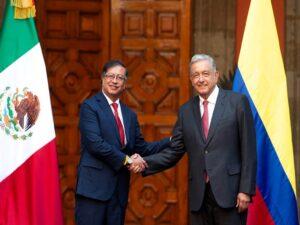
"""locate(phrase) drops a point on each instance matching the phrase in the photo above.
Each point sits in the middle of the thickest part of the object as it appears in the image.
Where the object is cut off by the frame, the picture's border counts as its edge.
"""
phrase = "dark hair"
(112, 63)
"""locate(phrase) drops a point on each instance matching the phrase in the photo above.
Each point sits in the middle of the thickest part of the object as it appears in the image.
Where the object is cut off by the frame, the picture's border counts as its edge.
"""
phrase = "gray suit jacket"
(228, 155)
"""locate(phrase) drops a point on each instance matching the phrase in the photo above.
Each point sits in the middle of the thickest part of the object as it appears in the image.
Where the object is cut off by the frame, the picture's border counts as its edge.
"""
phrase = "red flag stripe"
(31, 194)
(259, 205)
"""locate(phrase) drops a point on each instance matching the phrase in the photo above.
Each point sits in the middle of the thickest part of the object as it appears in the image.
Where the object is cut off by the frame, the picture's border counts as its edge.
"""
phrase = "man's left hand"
(242, 202)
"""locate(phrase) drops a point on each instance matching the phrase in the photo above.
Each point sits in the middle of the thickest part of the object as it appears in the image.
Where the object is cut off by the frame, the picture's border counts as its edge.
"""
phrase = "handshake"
(136, 163)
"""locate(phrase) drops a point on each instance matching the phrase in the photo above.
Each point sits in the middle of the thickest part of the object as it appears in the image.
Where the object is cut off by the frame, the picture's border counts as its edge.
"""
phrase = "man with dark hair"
(110, 133)
(216, 130)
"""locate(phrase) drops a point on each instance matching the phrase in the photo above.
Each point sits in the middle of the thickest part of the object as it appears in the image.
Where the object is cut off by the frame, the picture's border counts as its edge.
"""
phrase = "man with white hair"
(216, 130)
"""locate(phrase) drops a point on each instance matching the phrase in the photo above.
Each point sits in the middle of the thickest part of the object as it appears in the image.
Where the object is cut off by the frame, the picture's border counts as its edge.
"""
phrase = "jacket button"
(206, 152)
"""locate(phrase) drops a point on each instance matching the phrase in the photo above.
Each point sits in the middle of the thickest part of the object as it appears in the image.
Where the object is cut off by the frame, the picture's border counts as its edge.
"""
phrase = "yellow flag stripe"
(261, 64)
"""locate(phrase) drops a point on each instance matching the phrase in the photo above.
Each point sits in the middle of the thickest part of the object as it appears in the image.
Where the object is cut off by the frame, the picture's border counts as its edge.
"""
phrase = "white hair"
(203, 57)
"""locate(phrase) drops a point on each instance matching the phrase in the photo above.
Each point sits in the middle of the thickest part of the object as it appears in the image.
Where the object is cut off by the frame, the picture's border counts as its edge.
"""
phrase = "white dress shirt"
(212, 99)
(119, 111)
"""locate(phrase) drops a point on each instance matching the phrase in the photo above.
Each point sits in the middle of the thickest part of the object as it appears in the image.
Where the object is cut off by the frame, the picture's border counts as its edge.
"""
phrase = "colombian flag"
(260, 75)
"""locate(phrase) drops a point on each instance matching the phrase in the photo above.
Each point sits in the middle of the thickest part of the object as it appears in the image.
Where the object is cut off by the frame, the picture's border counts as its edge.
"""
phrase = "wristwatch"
(127, 161)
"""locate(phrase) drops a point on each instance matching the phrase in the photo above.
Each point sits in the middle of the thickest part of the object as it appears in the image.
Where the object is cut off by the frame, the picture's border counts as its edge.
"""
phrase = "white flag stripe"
(28, 71)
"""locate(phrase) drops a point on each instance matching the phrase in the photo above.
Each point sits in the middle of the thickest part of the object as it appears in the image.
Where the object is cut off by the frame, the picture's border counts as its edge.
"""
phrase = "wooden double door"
(152, 37)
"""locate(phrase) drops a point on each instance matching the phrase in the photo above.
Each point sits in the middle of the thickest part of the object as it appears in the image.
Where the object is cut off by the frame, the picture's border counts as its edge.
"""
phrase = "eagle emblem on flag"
(19, 111)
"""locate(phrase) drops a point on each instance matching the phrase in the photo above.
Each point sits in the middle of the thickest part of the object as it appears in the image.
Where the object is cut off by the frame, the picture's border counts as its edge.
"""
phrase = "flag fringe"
(24, 13)
(22, 3)
(23, 8)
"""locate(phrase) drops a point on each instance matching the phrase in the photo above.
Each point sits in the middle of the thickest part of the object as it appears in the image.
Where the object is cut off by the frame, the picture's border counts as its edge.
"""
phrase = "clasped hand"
(138, 164)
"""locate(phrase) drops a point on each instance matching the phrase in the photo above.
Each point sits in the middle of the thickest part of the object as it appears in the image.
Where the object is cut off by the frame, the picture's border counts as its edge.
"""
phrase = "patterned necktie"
(119, 123)
(205, 118)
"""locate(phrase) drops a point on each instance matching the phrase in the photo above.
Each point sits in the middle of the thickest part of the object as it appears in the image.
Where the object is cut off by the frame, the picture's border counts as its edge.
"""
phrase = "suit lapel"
(126, 120)
(197, 115)
(217, 115)
(109, 114)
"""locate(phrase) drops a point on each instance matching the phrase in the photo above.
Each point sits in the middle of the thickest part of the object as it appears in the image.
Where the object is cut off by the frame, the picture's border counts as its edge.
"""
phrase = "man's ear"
(217, 74)
(190, 77)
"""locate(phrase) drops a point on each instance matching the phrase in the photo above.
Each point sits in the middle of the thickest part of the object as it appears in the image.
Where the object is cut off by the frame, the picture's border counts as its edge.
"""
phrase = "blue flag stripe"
(272, 180)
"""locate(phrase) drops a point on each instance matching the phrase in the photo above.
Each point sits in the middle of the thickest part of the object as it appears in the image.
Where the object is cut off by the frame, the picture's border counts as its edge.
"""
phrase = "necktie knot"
(119, 123)
(115, 106)
(205, 103)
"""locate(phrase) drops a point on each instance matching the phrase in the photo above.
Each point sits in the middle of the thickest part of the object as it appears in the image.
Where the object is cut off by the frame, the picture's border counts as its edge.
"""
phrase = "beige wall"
(214, 33)
(292, 66)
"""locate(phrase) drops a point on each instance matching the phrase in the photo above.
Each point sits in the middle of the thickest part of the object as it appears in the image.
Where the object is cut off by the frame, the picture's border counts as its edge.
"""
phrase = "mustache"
(116, 86)
(201, 84)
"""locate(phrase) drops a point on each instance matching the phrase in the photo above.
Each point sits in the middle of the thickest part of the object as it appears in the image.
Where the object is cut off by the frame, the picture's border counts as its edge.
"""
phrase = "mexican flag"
(29, 181)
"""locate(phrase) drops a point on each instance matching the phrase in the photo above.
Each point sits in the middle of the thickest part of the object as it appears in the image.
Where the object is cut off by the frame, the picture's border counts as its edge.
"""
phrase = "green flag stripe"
(16, 37)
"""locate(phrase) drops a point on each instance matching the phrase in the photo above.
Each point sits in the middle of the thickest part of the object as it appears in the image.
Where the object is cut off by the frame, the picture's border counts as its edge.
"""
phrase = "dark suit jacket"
(101, 169)
(228, 155)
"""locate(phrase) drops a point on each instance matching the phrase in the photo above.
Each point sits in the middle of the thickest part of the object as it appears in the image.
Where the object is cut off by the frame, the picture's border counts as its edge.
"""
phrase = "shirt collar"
(109, 100)
(212, 98)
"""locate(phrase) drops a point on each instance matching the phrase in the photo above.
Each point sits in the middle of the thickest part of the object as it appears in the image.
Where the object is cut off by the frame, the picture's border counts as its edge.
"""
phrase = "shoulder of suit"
(188, 104)
(93, 101)
(232, 94)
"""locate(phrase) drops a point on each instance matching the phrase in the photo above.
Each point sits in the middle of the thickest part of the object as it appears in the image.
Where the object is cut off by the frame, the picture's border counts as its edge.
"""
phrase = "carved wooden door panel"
(75, 39)
(152, 37)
